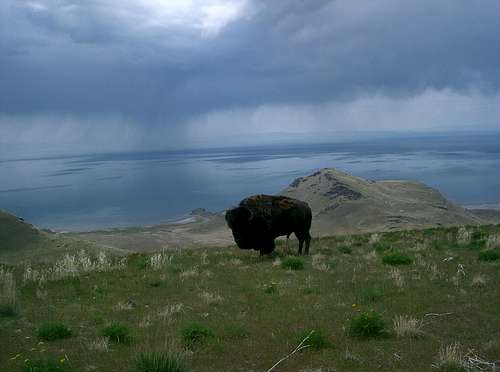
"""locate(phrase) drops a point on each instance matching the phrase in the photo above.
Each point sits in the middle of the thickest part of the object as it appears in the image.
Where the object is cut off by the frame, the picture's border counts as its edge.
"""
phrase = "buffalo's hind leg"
(301, 243)
(308, 242)
(303, 237)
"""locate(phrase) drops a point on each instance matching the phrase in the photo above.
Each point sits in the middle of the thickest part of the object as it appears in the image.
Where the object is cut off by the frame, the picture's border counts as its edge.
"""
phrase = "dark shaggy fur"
(260, 219)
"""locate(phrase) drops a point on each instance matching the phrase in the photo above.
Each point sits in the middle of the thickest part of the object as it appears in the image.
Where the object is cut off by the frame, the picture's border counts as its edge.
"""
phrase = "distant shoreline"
(492, 206)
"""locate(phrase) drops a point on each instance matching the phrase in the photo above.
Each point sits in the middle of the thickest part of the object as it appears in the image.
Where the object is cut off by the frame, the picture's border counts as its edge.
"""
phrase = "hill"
(21, 241)
(345, 204)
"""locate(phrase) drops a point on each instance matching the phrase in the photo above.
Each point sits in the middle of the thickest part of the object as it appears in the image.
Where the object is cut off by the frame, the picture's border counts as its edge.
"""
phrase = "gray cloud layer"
(161, 65)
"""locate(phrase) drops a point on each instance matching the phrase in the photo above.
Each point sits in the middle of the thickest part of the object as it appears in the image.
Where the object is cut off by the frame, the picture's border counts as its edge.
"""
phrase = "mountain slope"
(20, 241)
(16, 234)
(342, 203)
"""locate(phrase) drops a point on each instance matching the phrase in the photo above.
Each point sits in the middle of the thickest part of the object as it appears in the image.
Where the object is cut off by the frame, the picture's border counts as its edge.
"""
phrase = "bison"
(260, 219)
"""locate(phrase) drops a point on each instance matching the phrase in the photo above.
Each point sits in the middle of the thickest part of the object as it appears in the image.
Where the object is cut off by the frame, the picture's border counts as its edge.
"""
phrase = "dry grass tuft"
(204, 259)
(450, 358)
(73, 265)
(211, 298)
(318, 262)
(159, 260)
(374, 238)
(8, 298)
(370, 256)
(464, 236)
(493, 241)
(407, 326)
(479, 280)
(170, 311)
(185, 274)
(120, 306)
(235, 261)
(395, 274)
(145, 322)
(98, 344)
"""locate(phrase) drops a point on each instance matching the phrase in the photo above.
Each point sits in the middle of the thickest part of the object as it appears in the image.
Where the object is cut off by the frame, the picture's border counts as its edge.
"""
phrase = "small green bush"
(194, 333)
(118, 333)
(159, 362)
(53, 331)
(489, 255)
(380, 247)
(317, 340)
(311, 290)
(292, 263)
(270, 288)
(345, 249)
(396, 258)
(7, 309)
(367, 325)
(47, 366)
(476, 245)
(143, 262)
(477, 235)
(155, 283)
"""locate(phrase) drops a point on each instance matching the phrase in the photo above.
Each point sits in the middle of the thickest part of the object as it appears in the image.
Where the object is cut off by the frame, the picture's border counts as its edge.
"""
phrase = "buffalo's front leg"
(301, 243)
(267, 247)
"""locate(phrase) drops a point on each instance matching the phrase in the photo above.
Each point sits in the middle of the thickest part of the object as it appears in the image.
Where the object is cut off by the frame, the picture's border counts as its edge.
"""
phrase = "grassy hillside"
(400, 301)
(15, 233)
(20, 241)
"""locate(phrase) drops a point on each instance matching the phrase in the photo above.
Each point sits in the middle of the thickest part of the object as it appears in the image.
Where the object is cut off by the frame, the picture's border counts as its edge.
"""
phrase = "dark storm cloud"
(108, 57)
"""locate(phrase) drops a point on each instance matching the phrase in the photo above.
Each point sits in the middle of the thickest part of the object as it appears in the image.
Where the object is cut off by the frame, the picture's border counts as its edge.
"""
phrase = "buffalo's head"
(239, 221)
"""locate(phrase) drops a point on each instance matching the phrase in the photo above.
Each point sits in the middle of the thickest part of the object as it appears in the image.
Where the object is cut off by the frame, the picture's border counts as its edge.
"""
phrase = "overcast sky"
(99, 75)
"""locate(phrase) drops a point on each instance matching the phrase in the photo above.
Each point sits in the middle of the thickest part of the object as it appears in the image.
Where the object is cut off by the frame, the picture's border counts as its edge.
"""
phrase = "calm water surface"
(116, 190)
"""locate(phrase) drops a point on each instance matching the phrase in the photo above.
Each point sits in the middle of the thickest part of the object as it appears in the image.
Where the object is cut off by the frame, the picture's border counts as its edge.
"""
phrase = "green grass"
(344, 249)
(292, 263)
(367, 325)
(490, 255)
(53, 331)
(370, 293)
(47, 366)
(194, 334)
(118, 333)
(260, 310)
(159, 362)
(317, 340)
(396, 258)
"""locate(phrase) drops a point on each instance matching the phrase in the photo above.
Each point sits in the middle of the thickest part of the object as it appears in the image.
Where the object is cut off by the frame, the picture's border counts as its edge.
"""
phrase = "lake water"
(117, 190)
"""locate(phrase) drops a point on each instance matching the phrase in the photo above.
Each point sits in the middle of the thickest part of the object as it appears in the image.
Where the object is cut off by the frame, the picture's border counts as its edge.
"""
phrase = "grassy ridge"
(229, 310)
(21, 242)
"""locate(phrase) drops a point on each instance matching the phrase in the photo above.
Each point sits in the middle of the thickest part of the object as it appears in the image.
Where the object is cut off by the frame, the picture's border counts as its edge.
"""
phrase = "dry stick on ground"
(437, 314)
(298, 348)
